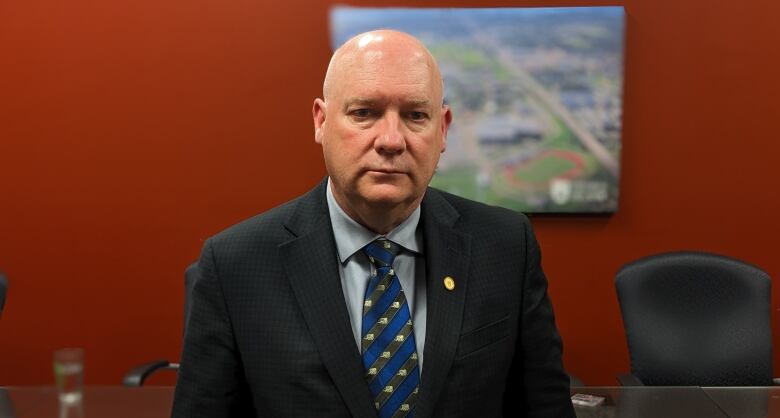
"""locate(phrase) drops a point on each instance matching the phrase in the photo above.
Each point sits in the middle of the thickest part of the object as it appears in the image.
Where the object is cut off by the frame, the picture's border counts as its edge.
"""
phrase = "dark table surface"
(620, 402)
(97, 402)
(649, 402)
(747, 402)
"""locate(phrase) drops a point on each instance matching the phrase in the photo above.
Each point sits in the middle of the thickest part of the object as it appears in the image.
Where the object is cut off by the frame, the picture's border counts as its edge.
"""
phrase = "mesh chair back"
(3, 290)
(697, 319)
(190, 276)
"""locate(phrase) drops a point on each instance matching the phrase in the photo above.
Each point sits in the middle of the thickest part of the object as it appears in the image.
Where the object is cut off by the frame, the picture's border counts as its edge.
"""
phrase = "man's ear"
(318, 114)
(446, 119)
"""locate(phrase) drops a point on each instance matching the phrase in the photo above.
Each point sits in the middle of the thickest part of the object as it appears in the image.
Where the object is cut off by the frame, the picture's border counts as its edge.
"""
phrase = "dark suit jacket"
(269, 334)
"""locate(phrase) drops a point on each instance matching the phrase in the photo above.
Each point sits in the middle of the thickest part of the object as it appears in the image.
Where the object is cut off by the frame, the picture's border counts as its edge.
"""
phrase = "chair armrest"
(137, 376)
(629, 380)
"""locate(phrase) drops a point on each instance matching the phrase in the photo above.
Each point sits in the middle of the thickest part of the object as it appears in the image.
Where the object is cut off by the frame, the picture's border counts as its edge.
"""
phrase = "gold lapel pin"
(449, 283)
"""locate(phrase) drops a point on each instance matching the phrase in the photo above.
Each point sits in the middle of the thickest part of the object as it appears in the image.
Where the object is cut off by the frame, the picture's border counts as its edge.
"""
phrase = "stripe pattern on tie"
(388, 345)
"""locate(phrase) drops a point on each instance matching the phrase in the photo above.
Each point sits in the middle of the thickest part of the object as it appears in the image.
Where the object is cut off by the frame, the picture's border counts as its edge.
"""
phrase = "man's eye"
(361, 113)
(418, 116)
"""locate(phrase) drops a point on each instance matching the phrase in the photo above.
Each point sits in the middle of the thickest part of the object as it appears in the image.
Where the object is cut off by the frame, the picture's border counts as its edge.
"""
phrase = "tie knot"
(382, 252)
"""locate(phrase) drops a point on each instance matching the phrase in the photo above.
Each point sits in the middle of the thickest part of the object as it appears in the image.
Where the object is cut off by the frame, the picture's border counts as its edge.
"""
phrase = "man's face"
(382, 127)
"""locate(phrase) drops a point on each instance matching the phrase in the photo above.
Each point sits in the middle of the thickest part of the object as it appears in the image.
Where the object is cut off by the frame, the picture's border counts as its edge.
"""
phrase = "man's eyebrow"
(364, 101)
(360, 101)
(418, 102)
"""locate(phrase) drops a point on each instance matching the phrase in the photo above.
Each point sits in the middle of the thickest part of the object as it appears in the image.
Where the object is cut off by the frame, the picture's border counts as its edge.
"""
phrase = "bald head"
(382, 126)
(373, 50)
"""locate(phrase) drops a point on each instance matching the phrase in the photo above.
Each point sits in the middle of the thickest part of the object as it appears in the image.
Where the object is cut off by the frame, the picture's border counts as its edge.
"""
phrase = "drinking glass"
(69, 374)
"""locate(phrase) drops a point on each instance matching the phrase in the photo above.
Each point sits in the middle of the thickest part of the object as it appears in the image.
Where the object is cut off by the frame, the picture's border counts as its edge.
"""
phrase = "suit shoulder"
(265, 226)
(473, 212)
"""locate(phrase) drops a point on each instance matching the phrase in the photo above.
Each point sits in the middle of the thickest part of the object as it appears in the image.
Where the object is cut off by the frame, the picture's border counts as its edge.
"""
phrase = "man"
(373, 295)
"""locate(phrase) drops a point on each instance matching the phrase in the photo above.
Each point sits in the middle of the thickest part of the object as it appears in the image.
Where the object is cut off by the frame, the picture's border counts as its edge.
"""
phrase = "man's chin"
(387, 195)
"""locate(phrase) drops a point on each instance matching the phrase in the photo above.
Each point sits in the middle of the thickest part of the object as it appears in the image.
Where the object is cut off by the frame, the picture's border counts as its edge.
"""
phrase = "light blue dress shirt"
(355, 269)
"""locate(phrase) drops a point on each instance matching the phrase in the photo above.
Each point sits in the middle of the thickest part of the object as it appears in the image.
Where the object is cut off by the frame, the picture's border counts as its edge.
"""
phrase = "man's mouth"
(385, 171)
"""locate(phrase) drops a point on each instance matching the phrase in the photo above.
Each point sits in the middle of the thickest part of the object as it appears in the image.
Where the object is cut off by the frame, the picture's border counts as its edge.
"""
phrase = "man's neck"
(380, 220)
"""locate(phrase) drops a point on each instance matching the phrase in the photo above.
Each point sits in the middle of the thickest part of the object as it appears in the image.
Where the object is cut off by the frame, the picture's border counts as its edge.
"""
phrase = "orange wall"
(132, 130)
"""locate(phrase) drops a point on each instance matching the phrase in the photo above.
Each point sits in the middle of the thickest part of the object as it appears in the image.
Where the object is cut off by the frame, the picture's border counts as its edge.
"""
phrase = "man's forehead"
(386, 83)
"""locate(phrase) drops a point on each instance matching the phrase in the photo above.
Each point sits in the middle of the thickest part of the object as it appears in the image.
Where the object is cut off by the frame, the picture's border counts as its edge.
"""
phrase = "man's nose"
(390, 138)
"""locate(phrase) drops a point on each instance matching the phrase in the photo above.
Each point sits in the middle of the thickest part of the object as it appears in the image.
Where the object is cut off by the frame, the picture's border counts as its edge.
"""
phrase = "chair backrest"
(190, 277)
(6, 405)
(3, 290)
(138, 375)
(694, 318)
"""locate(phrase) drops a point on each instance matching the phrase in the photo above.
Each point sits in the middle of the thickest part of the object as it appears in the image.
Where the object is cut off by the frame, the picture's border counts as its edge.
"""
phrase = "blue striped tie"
(388, 346)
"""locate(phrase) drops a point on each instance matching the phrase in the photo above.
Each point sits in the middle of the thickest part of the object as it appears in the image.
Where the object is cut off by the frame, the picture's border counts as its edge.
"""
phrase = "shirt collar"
(351, 236)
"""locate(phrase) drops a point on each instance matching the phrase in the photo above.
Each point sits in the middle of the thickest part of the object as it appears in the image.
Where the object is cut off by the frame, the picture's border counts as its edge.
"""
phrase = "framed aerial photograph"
(536, 96)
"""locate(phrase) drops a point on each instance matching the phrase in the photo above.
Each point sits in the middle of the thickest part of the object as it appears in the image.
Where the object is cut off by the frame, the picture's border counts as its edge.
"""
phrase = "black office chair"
(696, 319)
(138, 375)
(3, 291)
(6, 406)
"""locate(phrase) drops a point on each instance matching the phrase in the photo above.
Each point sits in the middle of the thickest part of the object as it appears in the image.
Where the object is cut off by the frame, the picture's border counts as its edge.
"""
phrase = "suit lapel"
(311, 265)
(447, 253)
